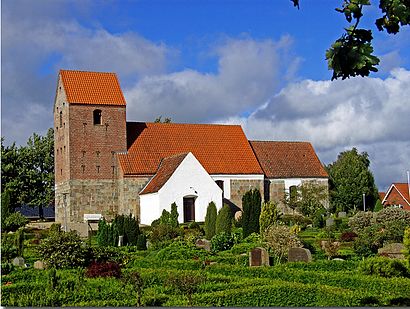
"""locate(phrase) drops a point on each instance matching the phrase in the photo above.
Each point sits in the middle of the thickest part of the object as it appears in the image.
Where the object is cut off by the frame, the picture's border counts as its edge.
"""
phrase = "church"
(105, 165)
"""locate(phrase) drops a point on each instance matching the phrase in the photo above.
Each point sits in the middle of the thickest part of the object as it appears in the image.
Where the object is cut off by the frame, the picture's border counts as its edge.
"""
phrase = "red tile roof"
(221, 149)
(382, 195)
(165, 170)
(288, 159)
(92, 88)
(403, 188)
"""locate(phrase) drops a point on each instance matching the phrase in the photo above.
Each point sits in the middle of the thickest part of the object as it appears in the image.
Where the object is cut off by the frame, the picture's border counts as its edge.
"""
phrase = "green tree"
(224, 220)
(378, 206)
(311, 198)
(5, 206)
(210, 220)
(173, 218)
(350, 178)
(251, 210)
(270, 215)
(351, 54)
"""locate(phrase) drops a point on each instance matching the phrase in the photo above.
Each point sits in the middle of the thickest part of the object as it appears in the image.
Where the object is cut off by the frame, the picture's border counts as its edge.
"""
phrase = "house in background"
(397, 196)
(287, 165)
(105, 165)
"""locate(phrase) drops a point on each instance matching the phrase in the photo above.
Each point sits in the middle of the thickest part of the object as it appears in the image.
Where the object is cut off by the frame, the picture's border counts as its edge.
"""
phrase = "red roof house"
(397, 195)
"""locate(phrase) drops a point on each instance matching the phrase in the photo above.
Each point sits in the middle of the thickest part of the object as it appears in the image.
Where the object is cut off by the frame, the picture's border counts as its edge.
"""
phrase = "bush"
(6, 268)
(406, 242)
(163, 233)
(391, 214)
(210, 221)
(106, 254)
(251, 209)
(279, 240)
(383, 267)
(8, 247)
(378, 206)
(222, 241)
(293, 219)
(14, 221)
(224, 220)
(173, 218)
(103, 269)
(142, 242)
(64, 249)
(178, 250)
(187, 283)
(360, 221)
(348, 236)
(270, 215)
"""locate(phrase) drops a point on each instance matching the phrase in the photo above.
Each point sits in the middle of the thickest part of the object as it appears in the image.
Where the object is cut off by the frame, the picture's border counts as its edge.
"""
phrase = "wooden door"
(189, 209)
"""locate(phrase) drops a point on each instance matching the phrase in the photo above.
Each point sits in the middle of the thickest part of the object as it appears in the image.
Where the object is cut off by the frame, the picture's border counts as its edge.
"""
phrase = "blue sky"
(259, 63)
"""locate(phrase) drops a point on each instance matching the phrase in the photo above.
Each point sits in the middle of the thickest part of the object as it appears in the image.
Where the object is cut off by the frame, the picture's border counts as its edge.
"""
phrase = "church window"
(61, 119)
(293, 191)
(220, 184)
(83, 153)
(97, 116)
(98, 169)
(97, 153)
(83, 168)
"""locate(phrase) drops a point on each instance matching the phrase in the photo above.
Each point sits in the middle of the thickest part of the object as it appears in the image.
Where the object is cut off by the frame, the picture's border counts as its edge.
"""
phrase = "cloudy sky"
(259, 63)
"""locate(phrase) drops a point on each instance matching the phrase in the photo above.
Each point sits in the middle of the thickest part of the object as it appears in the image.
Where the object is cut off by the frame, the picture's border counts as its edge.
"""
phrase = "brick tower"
(89, 128)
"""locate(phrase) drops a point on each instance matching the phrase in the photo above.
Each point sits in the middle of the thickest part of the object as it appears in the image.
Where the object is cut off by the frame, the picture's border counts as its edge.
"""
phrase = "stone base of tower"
(74, 198)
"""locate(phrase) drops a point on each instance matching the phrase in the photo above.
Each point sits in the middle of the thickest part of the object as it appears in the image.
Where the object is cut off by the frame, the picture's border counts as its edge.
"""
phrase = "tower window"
(61, 119)
(97, 116)
(98, 169)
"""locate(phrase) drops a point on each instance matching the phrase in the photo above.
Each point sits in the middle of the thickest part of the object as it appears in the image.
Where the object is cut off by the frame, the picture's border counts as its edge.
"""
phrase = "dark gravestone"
(258, 257)
(203, 244)
(299, 255)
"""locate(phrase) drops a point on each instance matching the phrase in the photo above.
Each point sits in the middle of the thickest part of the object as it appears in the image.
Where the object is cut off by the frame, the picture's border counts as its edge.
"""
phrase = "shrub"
(186, 283)
(106, 254)
(348, 236)
(142, 242)
(292, 219)
(224, 220)
(251, 206)
(103, 269)
(165, 217)
(64, 249)
(378, 206)
(279, 240)
(178, 250)
(135, 280)
(173, 218)
(406, 242)
(360, 221)
(5, 207)
(6, 268)
(210, 220)
(194, 226)
(127, 226)
(270, 215)
(20, 241)
(383, 267)
(222, 241)
(14, 221)
(163, 232)
(8, 247)
(391, 214)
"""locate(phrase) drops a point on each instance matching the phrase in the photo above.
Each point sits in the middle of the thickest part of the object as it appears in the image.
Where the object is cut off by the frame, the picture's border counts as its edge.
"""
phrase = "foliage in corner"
(224, 220)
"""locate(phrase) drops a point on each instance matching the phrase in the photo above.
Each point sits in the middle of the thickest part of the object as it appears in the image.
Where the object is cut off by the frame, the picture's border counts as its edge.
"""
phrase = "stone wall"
(86, 197)
(129, 200)
(240, 186)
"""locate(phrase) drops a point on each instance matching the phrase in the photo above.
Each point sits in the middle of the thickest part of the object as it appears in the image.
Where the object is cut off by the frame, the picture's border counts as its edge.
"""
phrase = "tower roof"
(99, 88)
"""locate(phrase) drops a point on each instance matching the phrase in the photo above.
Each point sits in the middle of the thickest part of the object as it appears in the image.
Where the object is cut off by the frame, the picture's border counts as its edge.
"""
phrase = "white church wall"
(149, 208)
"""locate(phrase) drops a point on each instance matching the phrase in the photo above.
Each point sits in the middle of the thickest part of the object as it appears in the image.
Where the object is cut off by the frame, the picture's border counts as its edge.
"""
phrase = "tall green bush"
(406, 242)
(224, 220)
(210, 220)
(173, 219)
(251, 209)
(127, 226)
(270, 215)
(378, 206)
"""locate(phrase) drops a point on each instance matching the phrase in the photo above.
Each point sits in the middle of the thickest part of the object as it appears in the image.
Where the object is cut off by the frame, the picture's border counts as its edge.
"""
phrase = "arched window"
(97, 116)
(61, 119)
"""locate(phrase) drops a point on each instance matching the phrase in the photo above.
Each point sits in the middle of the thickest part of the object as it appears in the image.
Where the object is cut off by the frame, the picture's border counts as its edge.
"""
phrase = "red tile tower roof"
(165, 170)
(403, 188)
(221, 149)
(83, 87)
(288, 159)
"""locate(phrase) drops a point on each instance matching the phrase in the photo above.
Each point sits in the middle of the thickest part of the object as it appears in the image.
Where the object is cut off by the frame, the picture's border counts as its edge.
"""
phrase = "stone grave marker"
(330, 222)
(120, 241)
(393, 251)
(39, 265)
(342, 214)
(18, 261)
(299, 255)
(203, 244)
(258, 257)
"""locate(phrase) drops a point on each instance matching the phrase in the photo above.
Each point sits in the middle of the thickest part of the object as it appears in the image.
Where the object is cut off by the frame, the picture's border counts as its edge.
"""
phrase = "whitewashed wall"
(190, 179)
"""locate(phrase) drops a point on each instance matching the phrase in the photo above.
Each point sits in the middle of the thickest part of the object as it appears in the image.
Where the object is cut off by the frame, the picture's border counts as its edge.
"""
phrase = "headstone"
(203, 244)
(238, 215)
(330, 222)
(299, 255)
(342, 214)
(393, 251)
(338, 259)
(18, 261)
(39, 265)
(259, 257)
(120, 241)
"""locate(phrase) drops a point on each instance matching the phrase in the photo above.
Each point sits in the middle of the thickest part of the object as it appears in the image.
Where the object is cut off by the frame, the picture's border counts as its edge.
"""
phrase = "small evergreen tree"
(102, 233)
(165, 217)
(246, 212)
(270, 215)
(210, 221)
(174, 215)
(251, 210)
(131, 229)
(378, 206)
(224, 220)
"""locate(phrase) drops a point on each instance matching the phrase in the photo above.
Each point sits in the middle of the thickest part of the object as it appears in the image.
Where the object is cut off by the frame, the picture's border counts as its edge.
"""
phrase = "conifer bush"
(251, 209)
(210, 220)
(224, 220)
(270, 215)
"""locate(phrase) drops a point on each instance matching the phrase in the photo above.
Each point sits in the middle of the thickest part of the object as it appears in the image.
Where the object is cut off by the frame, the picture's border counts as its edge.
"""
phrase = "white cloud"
(249, 71)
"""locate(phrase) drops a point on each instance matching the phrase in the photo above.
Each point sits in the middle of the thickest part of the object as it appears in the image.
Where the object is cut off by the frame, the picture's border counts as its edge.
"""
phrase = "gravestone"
(299, 255)
(330, 222)
(393, 251)
(238, 215)
(258, 257)
(39, 265)
(120, 241)
(342, 214)
(203, 244)
(18, 261)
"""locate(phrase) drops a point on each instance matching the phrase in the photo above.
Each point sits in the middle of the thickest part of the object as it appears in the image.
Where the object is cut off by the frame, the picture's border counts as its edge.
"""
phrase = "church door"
(189, 209)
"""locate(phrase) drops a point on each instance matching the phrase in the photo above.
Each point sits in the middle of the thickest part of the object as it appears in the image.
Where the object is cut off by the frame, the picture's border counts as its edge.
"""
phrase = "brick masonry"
(129, 200)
